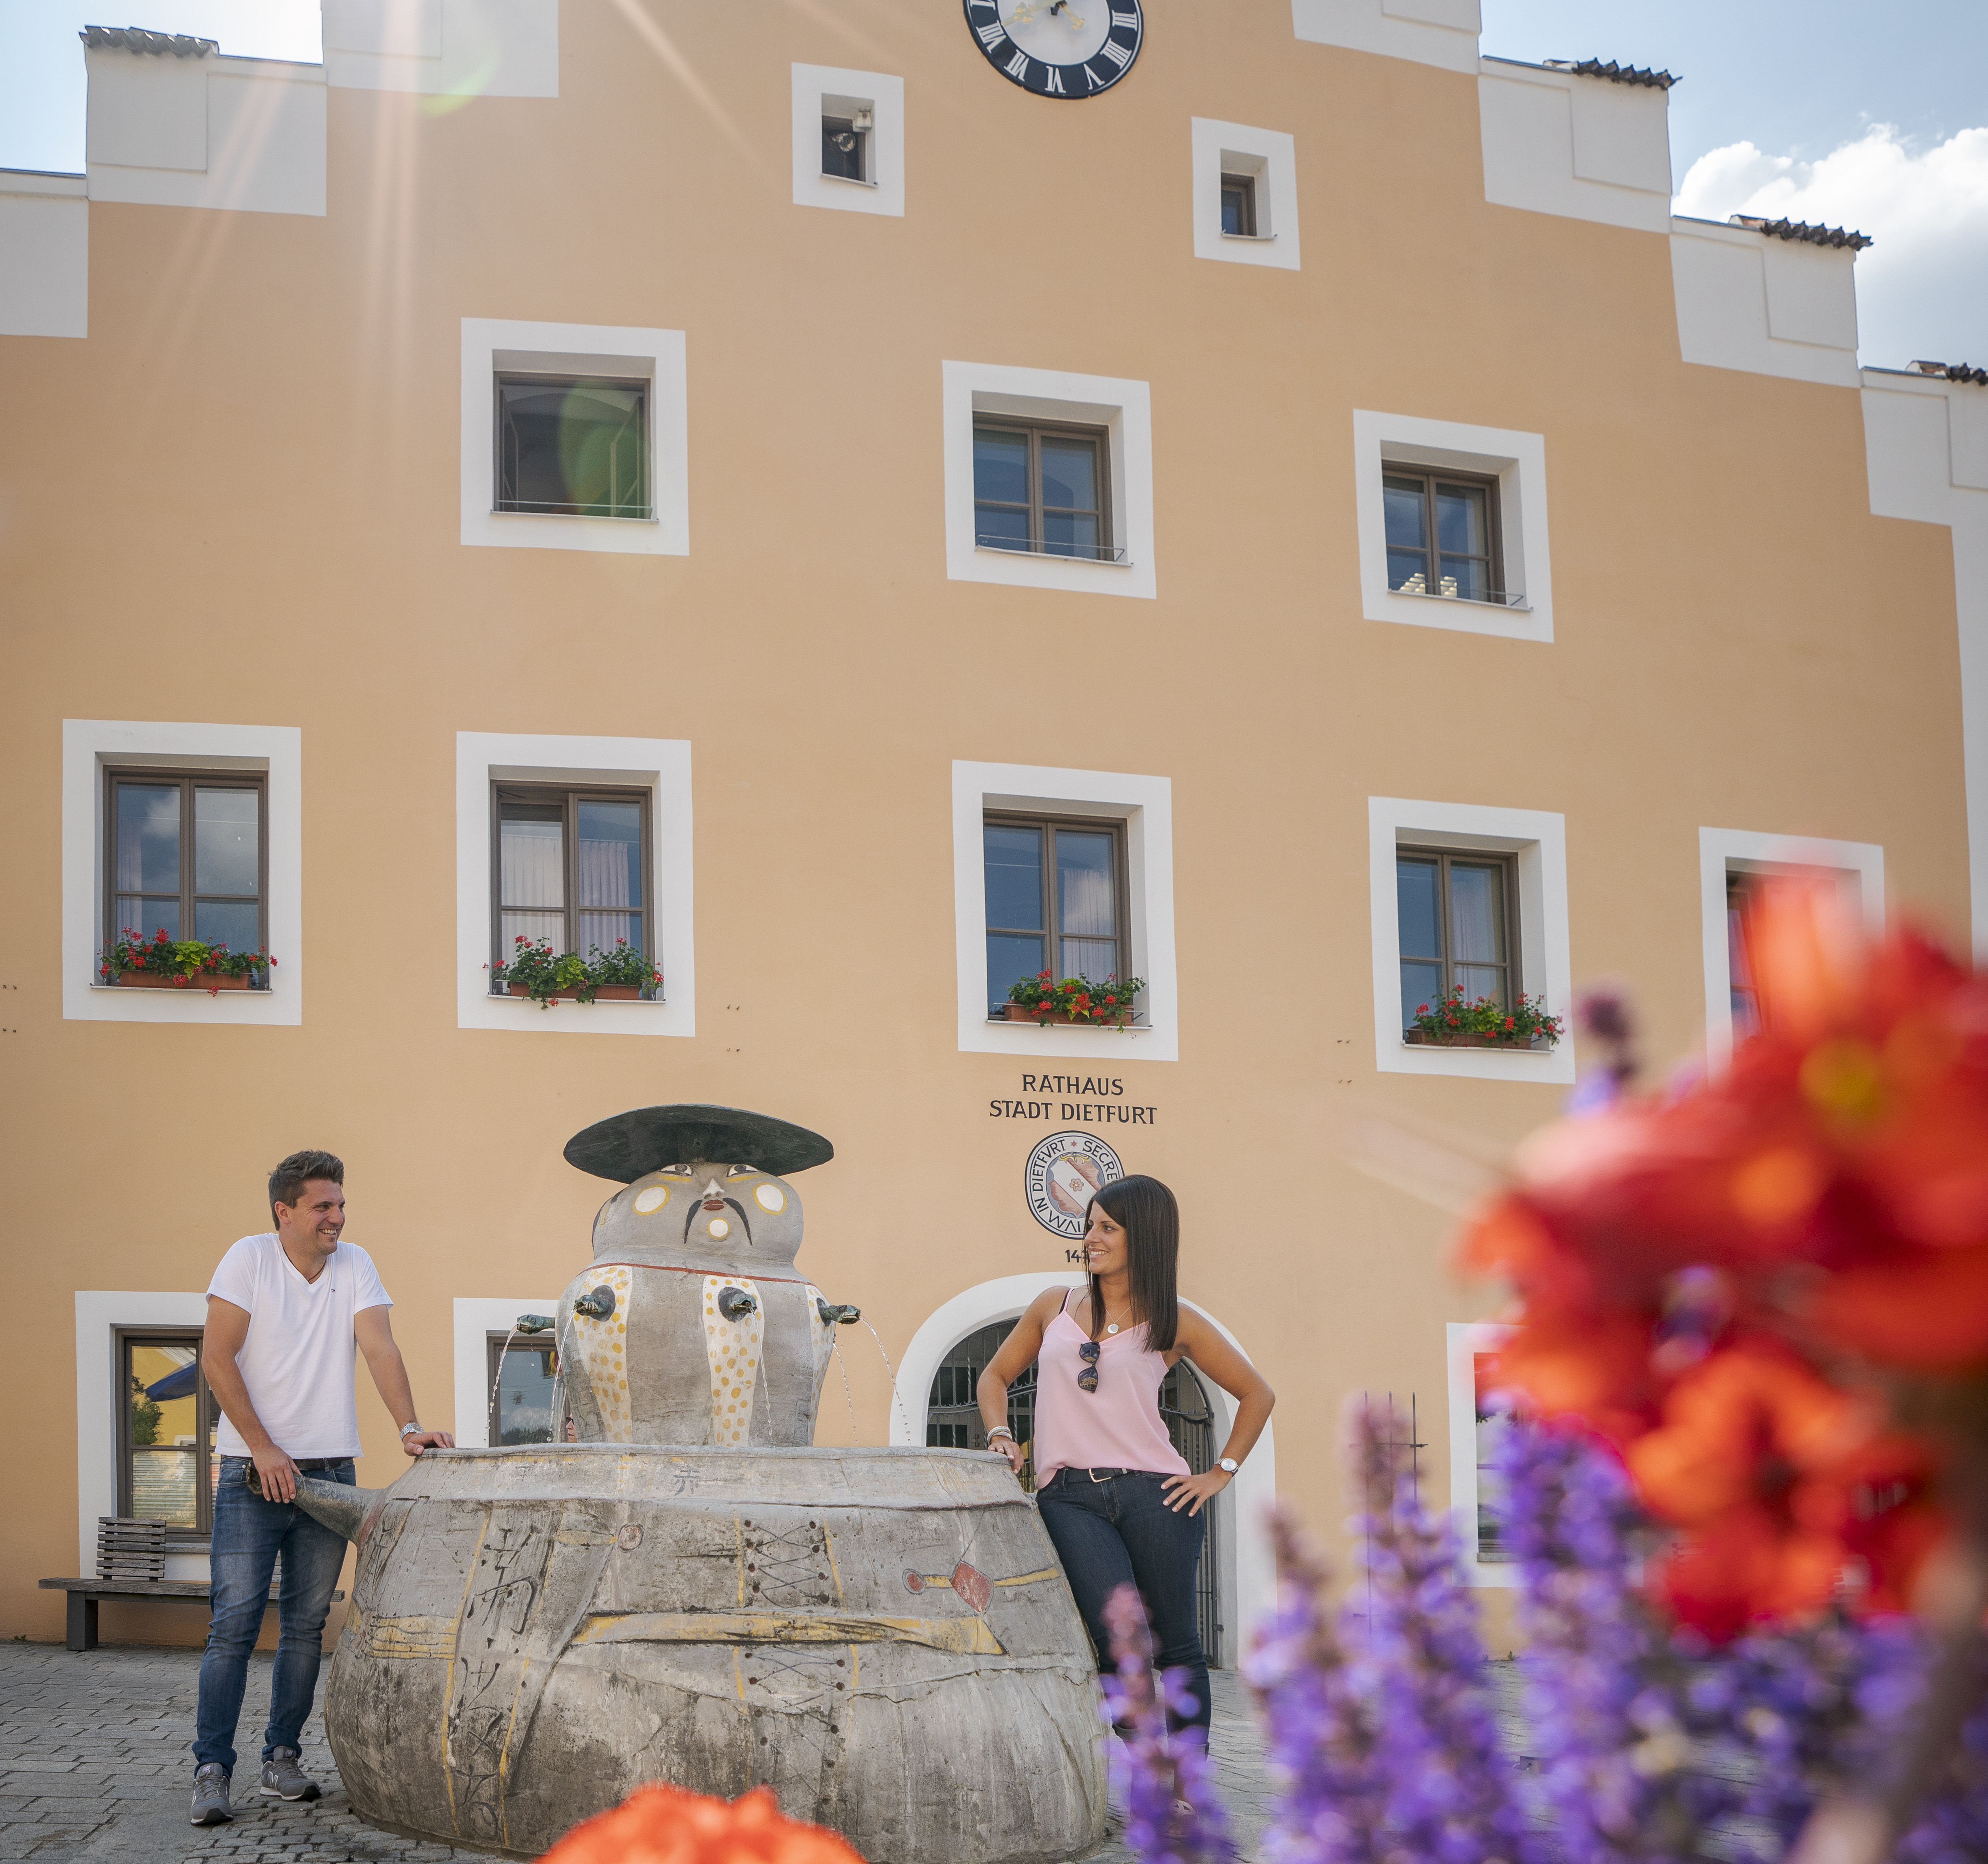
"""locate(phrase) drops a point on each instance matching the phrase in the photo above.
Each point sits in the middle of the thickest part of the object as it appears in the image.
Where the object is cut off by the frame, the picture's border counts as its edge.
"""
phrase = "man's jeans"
(248, 1533)
(1120, 1530)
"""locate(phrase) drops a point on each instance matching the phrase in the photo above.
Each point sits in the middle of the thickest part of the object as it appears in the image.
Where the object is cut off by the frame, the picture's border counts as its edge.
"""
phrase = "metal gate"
(952, 1422)
(1191, 1423)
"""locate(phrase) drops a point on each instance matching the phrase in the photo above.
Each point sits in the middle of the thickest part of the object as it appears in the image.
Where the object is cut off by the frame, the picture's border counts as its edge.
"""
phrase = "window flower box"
(157, 980)
(1471, 1039)
(534, 970)
(161, 963)
(1452, 1022)
(1041, 998)
(1022, 1012)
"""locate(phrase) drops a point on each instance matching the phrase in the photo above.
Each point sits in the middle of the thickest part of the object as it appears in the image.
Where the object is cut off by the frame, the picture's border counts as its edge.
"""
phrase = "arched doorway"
(952, 1422)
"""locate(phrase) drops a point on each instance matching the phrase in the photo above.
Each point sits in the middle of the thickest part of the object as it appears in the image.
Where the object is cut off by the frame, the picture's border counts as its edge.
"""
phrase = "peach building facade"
(1289, 515)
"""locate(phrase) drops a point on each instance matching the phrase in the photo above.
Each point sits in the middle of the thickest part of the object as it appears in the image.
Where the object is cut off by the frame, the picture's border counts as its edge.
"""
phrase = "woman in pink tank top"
(1119, 1502)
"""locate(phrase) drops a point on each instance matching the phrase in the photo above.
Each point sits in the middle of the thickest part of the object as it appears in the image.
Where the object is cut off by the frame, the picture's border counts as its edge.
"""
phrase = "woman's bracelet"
(1000, 1430)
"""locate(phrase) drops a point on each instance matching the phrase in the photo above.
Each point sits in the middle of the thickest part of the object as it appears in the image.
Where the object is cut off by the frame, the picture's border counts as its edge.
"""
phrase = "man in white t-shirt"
(285, 1311)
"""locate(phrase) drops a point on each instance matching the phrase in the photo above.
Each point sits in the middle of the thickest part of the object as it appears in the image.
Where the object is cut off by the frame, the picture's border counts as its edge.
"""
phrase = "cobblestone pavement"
(95, 1763)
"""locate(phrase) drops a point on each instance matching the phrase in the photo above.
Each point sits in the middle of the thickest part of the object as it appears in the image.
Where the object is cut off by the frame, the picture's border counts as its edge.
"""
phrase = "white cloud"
(1923, 290)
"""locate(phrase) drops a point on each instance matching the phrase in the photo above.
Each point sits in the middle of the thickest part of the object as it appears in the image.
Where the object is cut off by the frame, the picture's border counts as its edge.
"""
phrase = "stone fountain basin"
(882, 1636)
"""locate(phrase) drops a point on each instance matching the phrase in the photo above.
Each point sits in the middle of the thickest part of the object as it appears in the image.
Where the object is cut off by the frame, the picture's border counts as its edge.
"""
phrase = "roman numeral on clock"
(991, 35)
(1052, 81)
(1091, 78)
(1129, 20)
(1017, 67)
(1117, 53)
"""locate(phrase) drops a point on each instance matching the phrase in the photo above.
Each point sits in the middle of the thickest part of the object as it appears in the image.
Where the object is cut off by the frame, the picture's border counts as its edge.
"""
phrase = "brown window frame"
(188, 780)
(1105, 550)
(1513, 961)
(571, 795)
(641, 513)
(1122, 882)
(1497, 595)
(123, 1339)
(1246, 185)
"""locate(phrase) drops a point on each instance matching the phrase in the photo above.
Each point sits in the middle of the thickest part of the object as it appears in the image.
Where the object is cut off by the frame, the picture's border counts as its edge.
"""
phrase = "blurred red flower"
(1721, 1282)
(660, 1824)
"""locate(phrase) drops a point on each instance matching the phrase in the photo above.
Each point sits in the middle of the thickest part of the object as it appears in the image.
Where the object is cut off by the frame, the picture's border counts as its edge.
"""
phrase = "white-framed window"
(490, 766)
(105, 1319)
(1529, 847)
(1245, 195)
(1730, 861)
(481, 1327)
(1139, 809)
(849, 139)
(1445, 487)
(1474, 1429)
(574, 437)
(267, 760)
(1114, 555)
(1440, 32)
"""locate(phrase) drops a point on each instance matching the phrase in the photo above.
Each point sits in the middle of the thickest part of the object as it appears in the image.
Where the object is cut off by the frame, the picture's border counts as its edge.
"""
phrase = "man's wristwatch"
(412, 1429)
(1000, 1430)
(1228, 1464)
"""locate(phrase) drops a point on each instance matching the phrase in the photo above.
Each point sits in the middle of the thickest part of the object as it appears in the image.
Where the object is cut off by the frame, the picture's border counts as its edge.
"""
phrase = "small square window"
(573, 446)
(166, 1462)
(1041, 489)
(1442, 532)
(1055, 901)
(521, 1378)
(1239, 206)
(186, 854)
(570, 868)
(845, 144)
(1458, 918)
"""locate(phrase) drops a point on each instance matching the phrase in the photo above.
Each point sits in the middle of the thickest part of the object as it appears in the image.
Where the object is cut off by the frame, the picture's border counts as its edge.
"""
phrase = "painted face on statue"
(733, 1213)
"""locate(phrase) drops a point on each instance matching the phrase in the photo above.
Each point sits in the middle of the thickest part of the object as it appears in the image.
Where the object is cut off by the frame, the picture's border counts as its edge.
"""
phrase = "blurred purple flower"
(1173, 1810)
(1324, 1763)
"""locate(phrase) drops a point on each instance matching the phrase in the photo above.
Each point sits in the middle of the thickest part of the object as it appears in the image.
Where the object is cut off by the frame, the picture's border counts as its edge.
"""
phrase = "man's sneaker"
(282, 1778)
(210, 1795)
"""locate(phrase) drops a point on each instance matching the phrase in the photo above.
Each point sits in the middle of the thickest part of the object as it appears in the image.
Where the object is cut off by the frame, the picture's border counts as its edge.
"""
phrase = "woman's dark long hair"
(1144, 1208)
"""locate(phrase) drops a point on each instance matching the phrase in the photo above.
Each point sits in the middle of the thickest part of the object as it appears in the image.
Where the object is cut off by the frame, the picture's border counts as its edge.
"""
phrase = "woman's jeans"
(1120, 1529)
(248, 1533)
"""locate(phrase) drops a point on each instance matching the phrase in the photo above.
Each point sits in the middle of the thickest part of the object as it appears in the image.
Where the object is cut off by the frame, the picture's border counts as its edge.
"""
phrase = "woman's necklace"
(1110, 1325)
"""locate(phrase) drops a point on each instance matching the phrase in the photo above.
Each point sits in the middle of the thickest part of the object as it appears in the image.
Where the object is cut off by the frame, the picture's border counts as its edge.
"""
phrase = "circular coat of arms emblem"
(1063, 1171)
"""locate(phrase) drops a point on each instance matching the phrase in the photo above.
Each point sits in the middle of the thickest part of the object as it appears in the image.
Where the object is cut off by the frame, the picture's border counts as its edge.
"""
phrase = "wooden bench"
(131, 1564)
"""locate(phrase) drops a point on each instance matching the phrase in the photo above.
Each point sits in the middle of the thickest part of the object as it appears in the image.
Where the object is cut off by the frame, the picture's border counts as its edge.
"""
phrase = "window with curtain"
(573, 446)
(1442, 535)
(166, 1463)
(1741, 888)
(1055, 901)
(187, 853)
(1457, 926)
(572, 867)
(1041, 489)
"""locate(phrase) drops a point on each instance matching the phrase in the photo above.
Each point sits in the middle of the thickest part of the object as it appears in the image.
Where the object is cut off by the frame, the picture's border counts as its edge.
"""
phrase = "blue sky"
(1871, 113)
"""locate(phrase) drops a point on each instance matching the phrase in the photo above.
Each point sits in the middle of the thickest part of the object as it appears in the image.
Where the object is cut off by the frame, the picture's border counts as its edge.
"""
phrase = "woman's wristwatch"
(1228, 1464)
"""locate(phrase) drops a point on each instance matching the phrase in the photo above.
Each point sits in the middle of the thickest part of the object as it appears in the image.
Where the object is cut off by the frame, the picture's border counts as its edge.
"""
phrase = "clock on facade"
(1059, 48)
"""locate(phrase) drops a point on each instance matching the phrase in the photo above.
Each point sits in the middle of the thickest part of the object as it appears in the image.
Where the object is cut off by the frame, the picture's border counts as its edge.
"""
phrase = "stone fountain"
(692, 1592)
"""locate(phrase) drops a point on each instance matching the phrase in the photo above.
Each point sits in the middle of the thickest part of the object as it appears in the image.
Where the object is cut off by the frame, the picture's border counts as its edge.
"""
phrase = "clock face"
(1059, 48)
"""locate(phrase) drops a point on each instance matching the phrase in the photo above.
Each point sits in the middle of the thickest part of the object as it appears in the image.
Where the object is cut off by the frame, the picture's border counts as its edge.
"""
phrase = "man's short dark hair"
(287, 1181)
